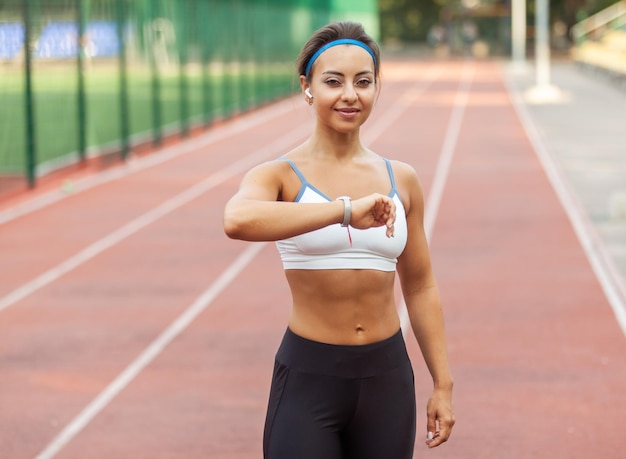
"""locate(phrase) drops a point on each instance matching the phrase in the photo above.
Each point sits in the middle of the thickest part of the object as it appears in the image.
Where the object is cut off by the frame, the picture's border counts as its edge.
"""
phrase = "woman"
(345, 220)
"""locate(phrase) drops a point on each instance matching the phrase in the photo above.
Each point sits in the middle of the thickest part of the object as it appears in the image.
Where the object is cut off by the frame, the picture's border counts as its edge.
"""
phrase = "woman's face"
(344, 88)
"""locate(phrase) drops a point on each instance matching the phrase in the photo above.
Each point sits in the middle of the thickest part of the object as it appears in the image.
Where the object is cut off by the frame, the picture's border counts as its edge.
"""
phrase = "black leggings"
(340, 402)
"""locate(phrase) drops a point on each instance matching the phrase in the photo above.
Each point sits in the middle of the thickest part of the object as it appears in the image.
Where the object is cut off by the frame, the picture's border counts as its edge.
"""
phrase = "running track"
(131, 327)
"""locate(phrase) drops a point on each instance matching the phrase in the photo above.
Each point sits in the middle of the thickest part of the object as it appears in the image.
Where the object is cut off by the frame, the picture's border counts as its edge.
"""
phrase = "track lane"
(537, 353)
(181, 405)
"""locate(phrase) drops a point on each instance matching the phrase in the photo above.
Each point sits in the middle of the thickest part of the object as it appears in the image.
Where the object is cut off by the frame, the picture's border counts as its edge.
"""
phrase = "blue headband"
(343, 41)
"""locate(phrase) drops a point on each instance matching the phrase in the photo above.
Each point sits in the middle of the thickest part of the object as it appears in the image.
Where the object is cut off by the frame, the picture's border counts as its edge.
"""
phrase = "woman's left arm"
(421, 295)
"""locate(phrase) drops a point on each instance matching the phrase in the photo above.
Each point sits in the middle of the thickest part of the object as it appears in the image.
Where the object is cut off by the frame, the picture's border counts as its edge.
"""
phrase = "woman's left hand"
(374, 210)
(440, 417)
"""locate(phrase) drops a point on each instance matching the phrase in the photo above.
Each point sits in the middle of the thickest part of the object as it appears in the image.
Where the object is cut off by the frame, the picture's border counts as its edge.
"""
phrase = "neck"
(342, 146)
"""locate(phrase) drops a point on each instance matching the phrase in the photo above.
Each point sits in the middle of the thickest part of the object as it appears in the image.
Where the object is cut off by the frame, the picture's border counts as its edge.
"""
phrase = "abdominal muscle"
(343, 306)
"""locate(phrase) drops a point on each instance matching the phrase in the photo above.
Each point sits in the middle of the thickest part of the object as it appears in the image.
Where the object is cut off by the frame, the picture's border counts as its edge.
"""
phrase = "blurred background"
(94, 80)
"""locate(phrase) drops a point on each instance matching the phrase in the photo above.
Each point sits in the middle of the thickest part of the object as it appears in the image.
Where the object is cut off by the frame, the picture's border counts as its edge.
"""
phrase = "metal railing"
(613, 16)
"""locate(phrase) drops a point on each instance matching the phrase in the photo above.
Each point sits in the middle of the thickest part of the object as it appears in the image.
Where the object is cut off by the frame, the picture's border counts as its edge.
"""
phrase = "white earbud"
(307, 91)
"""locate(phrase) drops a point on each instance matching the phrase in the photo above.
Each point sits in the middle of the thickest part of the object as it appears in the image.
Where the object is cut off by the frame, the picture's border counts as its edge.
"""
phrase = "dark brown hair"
(332, 32)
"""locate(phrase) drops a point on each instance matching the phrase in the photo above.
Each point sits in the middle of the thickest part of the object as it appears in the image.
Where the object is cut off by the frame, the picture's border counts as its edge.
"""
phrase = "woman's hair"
(332, 32)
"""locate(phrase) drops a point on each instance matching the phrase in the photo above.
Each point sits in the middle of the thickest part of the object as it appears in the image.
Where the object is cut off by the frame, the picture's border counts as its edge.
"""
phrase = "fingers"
(388, 214)
(432, 431)
(390, 227)
(438, 431)
(373, 211)
(438, 436)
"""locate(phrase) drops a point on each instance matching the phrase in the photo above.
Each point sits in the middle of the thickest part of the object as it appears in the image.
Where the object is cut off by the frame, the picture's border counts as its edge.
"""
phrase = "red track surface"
(537, 355)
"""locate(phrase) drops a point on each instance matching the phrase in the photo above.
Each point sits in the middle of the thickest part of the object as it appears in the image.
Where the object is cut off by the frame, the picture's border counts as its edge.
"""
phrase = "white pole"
(518, 33)
(543, 91)
(542, 44)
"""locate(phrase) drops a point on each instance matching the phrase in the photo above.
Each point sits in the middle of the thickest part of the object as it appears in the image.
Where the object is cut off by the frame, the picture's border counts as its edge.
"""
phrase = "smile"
(347, 113)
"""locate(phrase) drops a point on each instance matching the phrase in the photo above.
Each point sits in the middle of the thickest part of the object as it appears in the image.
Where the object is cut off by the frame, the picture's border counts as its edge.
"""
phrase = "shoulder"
(273, 179)
(407, 184)
(405, 176)
(403, 171)
(281, 166)
(269, 174)
(272, 169)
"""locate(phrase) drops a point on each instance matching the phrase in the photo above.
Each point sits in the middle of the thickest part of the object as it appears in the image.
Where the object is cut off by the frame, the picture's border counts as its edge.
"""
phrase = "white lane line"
(447, 150)
(601, 262)
(150, 217)
(150, 353)
(133, 165)
(442, 170)
(177, 327)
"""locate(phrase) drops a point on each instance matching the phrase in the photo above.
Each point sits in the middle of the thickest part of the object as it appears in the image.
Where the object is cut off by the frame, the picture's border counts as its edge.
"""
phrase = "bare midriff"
(343, 306)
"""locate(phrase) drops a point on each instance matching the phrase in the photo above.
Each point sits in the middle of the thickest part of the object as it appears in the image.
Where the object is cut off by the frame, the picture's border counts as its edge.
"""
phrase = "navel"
(359, 329)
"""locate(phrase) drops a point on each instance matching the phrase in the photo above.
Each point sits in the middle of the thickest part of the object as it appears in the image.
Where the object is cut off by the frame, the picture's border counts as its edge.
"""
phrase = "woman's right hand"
(373, 211)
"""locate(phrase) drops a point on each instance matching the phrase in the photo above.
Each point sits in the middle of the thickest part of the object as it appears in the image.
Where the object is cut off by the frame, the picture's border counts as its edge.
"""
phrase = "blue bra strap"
(303, 181)
(295, 169)
(391, 177)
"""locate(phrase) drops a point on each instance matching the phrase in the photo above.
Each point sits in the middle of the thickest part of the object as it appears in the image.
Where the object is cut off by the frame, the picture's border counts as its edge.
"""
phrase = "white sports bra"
(335, 247)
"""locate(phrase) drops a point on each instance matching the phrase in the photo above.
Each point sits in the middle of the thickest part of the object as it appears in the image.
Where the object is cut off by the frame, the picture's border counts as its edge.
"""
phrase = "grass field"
(230, 89)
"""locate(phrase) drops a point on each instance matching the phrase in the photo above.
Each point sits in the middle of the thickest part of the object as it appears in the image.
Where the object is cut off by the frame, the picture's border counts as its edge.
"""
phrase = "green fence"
(79, 78)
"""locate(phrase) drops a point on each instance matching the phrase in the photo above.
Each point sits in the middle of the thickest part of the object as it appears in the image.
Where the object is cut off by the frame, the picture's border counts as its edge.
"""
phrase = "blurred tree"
(407, 20)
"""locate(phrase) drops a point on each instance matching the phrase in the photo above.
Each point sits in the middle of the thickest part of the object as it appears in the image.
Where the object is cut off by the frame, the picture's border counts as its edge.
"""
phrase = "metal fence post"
(156, 83)
(80, 96)
(205, 40)
(31, 150)
(182, 72)
(124, 118)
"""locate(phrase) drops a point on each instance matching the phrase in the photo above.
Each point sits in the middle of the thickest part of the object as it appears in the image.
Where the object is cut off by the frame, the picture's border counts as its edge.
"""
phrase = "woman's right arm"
(255, 214)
